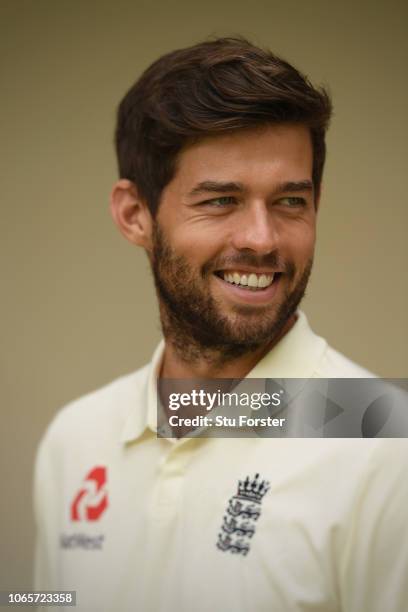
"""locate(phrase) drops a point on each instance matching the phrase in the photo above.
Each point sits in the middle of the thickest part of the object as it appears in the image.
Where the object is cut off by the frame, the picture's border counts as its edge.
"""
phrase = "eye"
(293, 202)
(220, 202)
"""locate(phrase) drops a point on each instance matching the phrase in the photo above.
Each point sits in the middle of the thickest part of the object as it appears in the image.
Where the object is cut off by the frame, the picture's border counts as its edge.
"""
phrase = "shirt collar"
(142, 415)
(295, 356)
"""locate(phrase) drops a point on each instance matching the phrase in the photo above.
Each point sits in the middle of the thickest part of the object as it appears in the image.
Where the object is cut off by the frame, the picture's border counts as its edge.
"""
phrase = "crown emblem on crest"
(252, 490)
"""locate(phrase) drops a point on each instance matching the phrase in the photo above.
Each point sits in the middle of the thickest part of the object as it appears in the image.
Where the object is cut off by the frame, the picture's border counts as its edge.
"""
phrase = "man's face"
(234, 237)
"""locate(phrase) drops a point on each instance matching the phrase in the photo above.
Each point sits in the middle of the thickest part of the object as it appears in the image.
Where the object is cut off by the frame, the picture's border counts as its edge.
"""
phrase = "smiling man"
(221, 149)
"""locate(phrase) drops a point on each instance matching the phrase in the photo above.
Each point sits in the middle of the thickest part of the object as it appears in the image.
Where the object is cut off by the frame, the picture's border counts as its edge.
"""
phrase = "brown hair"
(211, 88)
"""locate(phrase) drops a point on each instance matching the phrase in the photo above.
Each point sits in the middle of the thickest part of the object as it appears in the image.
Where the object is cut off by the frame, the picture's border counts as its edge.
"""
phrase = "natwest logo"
(91, 500)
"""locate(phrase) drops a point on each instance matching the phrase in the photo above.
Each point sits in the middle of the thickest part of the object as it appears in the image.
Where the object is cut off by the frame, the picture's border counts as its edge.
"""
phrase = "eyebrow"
(216, 187)
(228, 187)
(294, 186)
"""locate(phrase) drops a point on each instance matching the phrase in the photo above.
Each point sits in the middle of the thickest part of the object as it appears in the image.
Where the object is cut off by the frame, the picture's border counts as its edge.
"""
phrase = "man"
(221, 150)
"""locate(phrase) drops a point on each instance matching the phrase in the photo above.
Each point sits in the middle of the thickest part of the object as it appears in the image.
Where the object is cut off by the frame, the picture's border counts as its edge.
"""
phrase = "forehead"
(272, 153)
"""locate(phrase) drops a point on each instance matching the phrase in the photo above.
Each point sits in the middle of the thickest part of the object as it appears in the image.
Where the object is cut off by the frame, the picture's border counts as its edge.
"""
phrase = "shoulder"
(99, 414)
(334, 364)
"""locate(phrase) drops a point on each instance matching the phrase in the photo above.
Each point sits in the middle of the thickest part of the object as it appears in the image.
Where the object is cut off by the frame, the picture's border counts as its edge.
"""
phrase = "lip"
(249, 270)
(245, 296)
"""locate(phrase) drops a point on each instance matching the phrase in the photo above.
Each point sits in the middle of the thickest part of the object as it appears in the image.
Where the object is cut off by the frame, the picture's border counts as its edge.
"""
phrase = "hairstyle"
(211, 88)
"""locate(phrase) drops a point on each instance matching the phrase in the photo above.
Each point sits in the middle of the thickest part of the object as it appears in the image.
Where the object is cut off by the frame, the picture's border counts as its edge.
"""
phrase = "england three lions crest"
(243, 510)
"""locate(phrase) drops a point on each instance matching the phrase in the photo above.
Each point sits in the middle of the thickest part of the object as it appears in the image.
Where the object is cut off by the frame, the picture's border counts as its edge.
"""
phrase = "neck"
(192, 361)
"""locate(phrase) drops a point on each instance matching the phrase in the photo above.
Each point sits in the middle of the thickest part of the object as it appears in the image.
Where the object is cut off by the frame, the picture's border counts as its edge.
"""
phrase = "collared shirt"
(131, 521)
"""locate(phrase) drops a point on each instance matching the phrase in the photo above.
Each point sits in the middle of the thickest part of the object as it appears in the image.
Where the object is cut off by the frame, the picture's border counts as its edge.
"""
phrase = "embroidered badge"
(243, 510)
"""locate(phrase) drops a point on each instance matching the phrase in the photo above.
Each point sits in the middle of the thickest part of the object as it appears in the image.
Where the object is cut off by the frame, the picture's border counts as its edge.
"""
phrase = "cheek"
(197, 246)
(301, 243)
(309, 241)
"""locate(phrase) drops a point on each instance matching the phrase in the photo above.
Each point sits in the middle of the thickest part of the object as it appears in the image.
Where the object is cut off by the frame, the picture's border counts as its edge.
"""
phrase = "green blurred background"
(78, 307)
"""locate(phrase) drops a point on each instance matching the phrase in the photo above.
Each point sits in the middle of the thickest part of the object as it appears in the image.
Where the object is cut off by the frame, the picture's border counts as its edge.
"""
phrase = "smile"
(247, 280)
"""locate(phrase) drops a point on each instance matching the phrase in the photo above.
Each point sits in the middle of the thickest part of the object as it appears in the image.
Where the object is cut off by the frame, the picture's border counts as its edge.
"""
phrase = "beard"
(193, 320)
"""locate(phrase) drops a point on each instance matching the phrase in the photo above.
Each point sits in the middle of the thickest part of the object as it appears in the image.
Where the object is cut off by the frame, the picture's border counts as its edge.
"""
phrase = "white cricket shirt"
(133, 522)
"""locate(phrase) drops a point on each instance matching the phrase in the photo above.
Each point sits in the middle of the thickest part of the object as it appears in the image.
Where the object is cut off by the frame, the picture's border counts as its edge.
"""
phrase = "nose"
(256, 230)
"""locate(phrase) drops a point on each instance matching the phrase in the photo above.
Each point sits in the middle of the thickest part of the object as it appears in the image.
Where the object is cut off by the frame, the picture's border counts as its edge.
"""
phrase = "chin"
(246, 331)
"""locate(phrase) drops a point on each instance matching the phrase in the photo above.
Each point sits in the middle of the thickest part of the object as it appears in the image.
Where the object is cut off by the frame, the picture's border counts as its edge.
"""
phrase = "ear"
(131, 214)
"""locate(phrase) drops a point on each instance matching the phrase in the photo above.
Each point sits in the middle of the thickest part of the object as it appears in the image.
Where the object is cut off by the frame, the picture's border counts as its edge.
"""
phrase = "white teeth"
(263, 281)
(254, 281)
